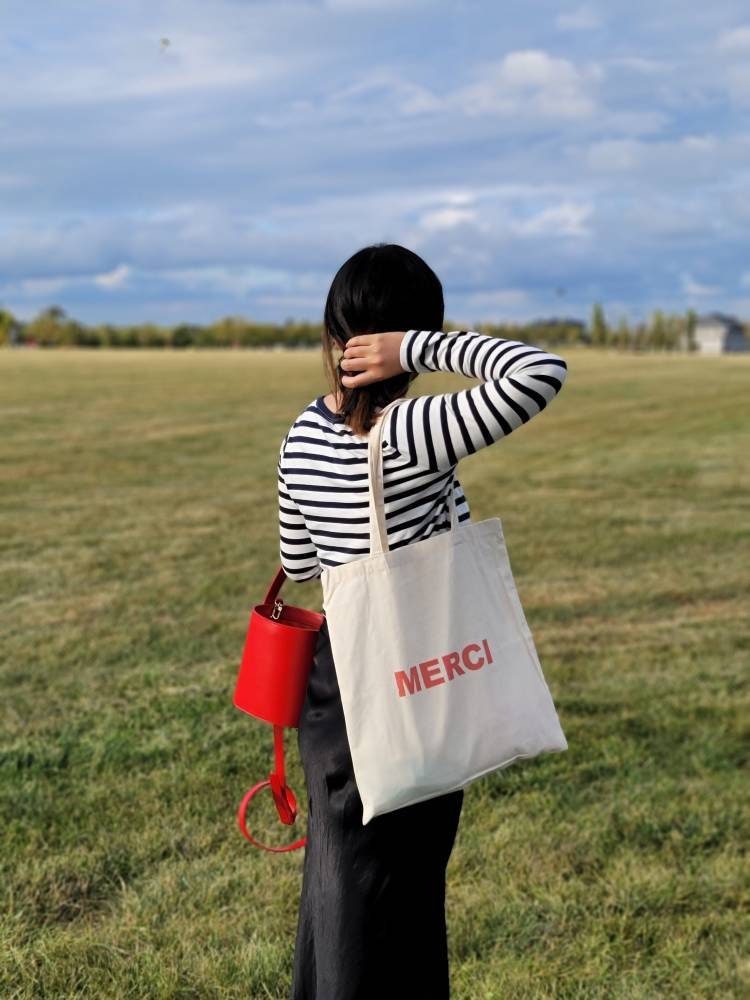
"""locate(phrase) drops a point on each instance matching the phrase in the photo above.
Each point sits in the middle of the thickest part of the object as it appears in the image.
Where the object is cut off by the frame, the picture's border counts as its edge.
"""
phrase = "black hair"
(380, 288)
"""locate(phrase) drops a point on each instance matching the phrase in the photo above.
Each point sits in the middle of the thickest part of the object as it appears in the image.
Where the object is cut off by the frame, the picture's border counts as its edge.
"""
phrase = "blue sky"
(539, 156)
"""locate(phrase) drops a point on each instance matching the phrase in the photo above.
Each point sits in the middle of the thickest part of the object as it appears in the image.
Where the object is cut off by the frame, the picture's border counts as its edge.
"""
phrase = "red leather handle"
(288, 807)
(276, 585)
(283, 797)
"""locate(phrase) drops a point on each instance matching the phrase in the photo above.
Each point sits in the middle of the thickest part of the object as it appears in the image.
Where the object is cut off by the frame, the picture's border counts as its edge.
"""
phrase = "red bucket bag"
(271, 684)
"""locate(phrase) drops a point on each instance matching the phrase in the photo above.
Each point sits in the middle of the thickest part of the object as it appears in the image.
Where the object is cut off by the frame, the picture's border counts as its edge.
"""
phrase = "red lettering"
(467, 661)
(452, 665)
(411, 682)
(408, 682)
(428, 673)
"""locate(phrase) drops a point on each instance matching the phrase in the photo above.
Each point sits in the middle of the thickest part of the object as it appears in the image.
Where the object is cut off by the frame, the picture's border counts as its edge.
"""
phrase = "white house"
(717, 333)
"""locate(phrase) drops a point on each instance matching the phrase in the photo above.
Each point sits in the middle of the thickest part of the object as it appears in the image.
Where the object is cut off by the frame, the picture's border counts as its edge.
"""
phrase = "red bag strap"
(283, 796)
(275, 586)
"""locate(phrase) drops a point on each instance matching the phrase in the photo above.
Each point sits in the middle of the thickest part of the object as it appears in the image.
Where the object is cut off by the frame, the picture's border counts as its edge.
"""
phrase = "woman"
(372, 910)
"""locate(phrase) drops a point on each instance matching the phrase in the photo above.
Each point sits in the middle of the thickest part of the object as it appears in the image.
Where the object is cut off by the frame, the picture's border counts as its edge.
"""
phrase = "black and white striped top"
(322, 467)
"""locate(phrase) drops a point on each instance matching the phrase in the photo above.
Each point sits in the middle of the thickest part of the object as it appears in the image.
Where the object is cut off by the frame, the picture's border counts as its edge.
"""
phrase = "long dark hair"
(379, 288)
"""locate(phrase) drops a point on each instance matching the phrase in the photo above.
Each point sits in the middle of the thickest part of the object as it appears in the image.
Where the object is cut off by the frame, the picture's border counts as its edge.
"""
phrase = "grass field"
(139, 524)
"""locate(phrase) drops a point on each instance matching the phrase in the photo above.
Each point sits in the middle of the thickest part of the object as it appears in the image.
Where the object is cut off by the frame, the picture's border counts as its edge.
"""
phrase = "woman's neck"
(332, 402)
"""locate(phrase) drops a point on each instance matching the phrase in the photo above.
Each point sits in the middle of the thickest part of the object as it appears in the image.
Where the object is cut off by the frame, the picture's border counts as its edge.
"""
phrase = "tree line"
(52, 327)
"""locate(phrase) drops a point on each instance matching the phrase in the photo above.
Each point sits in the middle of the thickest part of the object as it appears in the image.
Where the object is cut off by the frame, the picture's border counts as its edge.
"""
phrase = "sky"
(179, 161)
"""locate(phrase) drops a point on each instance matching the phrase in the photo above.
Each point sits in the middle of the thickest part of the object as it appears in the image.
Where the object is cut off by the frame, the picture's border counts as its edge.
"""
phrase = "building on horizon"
(718, 333)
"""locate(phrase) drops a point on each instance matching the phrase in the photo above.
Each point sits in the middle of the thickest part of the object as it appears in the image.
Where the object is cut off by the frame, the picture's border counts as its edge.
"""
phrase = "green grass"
(138, 513)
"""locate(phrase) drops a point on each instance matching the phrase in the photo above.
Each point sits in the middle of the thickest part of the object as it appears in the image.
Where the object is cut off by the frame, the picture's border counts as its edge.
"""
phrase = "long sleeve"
(518, 381)
(297, 551)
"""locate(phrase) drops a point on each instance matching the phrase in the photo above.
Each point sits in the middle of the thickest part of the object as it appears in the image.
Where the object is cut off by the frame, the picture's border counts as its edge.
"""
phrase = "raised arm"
(518, 380)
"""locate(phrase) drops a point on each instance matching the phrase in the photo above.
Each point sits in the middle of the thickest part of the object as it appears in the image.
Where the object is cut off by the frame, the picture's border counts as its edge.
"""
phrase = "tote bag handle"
(378, 529)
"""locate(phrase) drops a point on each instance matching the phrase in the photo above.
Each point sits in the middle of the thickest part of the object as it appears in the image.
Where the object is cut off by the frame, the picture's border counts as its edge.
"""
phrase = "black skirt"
(372, 910)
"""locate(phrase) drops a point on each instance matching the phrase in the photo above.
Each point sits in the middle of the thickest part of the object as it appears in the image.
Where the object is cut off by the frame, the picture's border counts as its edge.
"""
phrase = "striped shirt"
(322, 468)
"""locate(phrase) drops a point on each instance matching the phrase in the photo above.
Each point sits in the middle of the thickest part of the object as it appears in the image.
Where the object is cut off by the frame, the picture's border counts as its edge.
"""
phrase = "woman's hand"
(371, 357)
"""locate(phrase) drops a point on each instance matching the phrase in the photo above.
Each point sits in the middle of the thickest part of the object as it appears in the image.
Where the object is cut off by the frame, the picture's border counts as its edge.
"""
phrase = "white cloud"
(616, 155)
(566, 219)
(238, 281)
(43, 286)
(113, 279)
(738, 80)
(692, 287)
(581, 19)
(690, 156)
(525, 82)
(531, 82)
(734, 44)
(385, 92)
(447, 218)
(645, 122)
(459, 197)
(52, 284)
(659, 219)
(639, 64)
(700, 143)
(735, 40)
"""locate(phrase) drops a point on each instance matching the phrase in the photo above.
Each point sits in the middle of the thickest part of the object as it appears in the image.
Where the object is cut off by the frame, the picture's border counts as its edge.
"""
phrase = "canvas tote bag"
(439, 677)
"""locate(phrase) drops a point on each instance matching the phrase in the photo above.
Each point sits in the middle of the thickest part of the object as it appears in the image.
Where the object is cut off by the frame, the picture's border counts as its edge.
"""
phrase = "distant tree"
(227, 331)
(107, 335)
(657, 332)
(86, 336)
(621, 336)
(184, 335)
(10, 328)
(53, 328)
(122, 336)
(48, 327)
(599, 331)
(673, 329)
(151, 335)
(690, 323)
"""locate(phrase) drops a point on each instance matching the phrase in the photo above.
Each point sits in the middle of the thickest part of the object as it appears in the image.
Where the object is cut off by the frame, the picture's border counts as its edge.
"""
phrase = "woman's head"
(380, 288)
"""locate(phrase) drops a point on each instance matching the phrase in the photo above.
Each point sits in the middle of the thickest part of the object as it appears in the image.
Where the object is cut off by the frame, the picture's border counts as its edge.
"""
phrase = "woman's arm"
(297, 551)
(436, 432)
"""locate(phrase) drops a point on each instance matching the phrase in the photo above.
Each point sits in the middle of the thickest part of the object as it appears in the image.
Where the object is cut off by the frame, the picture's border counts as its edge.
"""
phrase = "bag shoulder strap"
(378, 528)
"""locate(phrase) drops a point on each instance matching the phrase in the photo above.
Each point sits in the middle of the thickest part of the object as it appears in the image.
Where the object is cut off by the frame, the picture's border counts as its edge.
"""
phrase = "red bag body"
(276, 662)
(271, 685)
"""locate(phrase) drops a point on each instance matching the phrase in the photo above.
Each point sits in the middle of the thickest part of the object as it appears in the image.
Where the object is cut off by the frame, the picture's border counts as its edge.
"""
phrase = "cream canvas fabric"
(439, 676)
